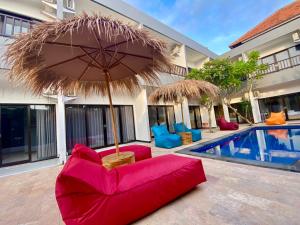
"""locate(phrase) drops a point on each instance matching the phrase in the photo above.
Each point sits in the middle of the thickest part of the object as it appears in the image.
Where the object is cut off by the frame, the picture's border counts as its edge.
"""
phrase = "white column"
(141, 117)
(177, 111)
(255, 108)
(213, 118)
(59, 11)
(186, 113)
(226, 112)
(61, 129)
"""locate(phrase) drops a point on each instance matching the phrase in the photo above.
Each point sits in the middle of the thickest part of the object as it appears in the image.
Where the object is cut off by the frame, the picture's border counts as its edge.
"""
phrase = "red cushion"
(224, 125)
(84, 152)
(140, 152)
(80, 185)
(88, 195)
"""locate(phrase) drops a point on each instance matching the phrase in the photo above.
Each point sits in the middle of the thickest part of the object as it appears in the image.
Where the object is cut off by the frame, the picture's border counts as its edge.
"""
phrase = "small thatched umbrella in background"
(86, 54)
(178, 91)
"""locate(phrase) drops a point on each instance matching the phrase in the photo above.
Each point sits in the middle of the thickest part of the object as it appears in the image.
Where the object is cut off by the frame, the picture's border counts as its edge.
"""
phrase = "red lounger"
(224, 125)
(89, 194)
(140, 152)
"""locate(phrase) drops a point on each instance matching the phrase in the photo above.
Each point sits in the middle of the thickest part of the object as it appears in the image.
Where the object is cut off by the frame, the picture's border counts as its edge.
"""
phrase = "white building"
(35, 128)
(277, 38)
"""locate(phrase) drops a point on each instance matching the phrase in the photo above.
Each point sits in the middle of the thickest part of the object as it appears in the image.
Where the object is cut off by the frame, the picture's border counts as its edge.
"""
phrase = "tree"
(208, 103)
(231, 77)
(218, 72)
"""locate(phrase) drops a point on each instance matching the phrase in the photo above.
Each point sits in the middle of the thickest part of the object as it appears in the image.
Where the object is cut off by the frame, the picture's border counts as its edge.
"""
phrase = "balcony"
(282, 60)
(11, 25)
(176, 70)
(50, 8)
(283, 64)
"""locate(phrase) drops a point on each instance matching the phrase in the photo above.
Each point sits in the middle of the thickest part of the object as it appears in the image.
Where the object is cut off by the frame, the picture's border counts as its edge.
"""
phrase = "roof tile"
(280, 16)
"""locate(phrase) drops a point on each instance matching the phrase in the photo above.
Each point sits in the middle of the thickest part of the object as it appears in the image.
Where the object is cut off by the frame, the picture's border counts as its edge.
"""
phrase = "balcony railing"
(283, 64)
(11, 25)
(176, 70)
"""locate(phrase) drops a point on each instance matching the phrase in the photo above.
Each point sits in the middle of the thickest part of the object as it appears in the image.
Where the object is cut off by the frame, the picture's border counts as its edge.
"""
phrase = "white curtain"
(127, 124)
(45, 132)
(95, 127)
(75, 126)
(109, 130)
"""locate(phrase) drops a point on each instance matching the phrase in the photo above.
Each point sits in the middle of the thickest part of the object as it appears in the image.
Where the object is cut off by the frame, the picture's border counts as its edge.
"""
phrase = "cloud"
(215, 24)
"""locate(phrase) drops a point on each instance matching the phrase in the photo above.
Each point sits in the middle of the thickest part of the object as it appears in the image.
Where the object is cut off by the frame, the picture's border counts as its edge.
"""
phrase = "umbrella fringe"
(183, 89)
(29, 69)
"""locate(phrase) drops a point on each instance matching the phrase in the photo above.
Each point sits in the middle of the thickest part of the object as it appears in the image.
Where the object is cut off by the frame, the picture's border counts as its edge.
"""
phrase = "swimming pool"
(275, 147)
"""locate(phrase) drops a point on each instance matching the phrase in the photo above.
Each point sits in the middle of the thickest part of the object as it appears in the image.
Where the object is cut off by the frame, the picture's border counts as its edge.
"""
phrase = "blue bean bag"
(196, 134)
(163, 138)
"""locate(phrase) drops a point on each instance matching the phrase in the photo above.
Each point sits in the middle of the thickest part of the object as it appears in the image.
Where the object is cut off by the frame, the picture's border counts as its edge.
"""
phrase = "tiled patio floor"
(233, 194)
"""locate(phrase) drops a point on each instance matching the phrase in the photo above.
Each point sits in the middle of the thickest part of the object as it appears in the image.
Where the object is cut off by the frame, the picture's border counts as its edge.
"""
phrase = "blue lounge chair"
(164, 139)
(196, 134)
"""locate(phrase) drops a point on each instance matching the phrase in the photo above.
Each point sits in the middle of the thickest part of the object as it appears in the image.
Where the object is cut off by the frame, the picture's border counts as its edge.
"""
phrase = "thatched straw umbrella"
(86, 54)
(176, 92)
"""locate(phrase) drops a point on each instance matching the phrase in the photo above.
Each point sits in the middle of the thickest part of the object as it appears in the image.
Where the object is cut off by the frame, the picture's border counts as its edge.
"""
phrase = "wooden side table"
(186, 137)
(114, 160)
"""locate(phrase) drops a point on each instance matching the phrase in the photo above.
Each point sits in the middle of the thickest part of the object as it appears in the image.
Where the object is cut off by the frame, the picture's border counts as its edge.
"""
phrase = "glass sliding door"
(75, 126)
(170, 118)
(152, 111)
(289, 104)
(28, 133)
(95, 127)
(159, 115)
(91, 125)
(162, 115)
(14, 135)
(43, 132)
(219, 112)
(292, 104)
(195, 117)
(127, 121)
(109, 128)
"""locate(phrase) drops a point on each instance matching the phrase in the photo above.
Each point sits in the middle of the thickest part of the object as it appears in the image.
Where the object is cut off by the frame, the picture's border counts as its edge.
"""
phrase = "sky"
(213, 23)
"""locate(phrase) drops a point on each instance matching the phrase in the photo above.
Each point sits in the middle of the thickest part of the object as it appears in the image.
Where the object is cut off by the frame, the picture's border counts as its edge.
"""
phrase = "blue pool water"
(272, 147)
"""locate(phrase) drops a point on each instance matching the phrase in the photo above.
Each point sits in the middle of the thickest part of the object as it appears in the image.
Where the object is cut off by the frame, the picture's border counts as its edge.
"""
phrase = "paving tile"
(234, 194)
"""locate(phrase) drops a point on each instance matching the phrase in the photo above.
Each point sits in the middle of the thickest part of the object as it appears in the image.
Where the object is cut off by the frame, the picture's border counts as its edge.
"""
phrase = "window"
(25, 27)
(162, 115)
(10, 25)
(28, 133)
(17, 26)
(70, 4)
(282, 60)
(91, 125)
(1, 23)
(195, 117)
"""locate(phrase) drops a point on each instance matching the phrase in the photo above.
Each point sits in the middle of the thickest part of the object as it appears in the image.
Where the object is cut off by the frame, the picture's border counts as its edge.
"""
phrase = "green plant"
(231, 77)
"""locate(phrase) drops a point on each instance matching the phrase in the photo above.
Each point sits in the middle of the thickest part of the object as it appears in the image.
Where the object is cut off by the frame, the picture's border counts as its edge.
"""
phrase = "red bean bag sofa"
(224, 125)
(88, 194)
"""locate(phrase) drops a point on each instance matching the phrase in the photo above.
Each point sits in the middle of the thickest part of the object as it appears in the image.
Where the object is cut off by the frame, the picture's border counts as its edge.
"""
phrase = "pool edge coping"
(188, 150)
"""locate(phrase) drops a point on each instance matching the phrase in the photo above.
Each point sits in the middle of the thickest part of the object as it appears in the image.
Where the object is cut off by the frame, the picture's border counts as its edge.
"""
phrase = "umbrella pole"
(113, 119)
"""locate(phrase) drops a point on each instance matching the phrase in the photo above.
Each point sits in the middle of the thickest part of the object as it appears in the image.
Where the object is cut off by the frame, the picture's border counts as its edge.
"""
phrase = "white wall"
(12, 93)
(141, 117)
